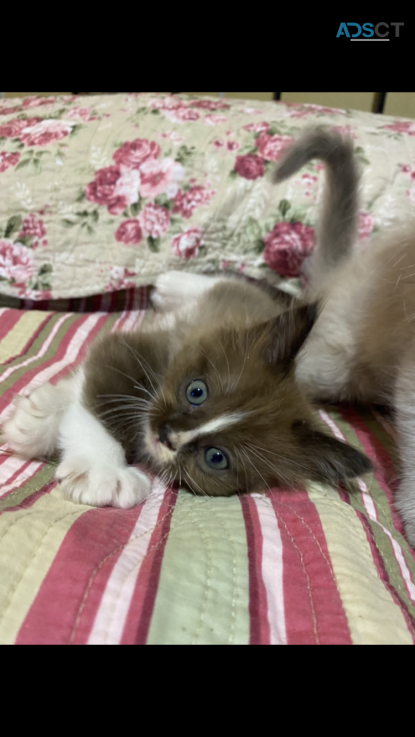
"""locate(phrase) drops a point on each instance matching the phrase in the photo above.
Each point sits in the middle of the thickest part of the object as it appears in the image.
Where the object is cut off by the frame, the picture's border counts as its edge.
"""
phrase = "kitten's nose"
(164, 436)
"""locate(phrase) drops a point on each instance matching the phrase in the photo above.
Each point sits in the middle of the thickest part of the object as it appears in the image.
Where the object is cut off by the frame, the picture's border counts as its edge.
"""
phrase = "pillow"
(104, 193)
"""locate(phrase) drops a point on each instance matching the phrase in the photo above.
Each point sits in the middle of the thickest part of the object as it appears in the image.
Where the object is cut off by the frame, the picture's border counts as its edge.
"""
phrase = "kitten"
(362, 347)
(207, 397)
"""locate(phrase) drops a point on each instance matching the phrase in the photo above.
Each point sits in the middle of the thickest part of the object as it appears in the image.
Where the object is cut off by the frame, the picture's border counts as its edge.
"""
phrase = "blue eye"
(216, 459)
(196, 393)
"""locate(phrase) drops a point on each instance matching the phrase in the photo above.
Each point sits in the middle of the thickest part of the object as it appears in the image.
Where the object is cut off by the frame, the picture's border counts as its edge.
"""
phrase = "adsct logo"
(369, 31)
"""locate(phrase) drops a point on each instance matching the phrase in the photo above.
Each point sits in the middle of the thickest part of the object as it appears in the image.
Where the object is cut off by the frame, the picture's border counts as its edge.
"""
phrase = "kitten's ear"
(329, 459)
(287, 334)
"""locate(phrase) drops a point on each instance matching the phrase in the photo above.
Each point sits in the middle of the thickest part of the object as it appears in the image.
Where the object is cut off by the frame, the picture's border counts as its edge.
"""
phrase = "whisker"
(195, 483)
(255, 468)
(141, 362)
(243, 365)
(213, 366)
(143, 389)
(227, 363)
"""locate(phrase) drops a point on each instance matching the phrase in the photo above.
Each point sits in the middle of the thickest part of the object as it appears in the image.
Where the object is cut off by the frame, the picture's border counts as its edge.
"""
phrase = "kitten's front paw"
(102, 486)
(168, 291)
(32, 429)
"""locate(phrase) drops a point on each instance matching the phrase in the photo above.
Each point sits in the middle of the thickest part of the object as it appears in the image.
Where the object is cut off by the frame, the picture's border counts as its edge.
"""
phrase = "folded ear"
(287, 334)
(329, 459)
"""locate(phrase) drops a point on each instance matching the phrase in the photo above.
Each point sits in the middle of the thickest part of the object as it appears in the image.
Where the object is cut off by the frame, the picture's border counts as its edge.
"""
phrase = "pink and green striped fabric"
(315, 566)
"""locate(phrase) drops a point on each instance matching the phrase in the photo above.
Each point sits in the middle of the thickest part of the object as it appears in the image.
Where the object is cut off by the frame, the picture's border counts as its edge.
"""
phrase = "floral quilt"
(104, 193)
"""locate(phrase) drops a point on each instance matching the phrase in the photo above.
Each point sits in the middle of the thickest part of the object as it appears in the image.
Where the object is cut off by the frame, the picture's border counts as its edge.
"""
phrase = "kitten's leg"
(93, 469)
(175, 289)
(33, 428)
(405, 422)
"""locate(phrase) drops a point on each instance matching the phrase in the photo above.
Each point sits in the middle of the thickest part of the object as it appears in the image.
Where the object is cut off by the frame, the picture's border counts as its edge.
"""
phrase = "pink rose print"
(154, 220)
(186, 202)
(81, 114)
(402, 126)
(325, 110)
(232, 145)
(181, 115)
(214, 119)
(44, 132)
(165, 103)
(119, 280)
(134, 153)
(34, 101)
(308, 109)
(172, 136)
(210, 105)
(129, 232)
(405, 168)
(16, 261)
(7, 160)
(187, 244)
(271, 147)
(250, 166)
(13, 128)
(33, 227)
(345, 130)
(9, 110)
(365, 226)
(102, 190)
(308, 181)
(35, 294)
(286, 247)
(218, 143)
(257, 127)
(128, 185)
(160, 176)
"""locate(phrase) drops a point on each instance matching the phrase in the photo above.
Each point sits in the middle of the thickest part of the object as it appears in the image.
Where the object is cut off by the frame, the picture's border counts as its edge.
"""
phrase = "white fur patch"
(219, 423)
(175, 288)
(93, 469)
(33, 428)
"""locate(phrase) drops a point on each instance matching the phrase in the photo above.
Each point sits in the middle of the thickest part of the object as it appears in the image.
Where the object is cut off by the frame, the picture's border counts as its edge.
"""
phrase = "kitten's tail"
(337, 230)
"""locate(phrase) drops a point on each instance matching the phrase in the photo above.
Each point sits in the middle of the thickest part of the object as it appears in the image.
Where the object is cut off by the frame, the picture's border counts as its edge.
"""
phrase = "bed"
(96, 199)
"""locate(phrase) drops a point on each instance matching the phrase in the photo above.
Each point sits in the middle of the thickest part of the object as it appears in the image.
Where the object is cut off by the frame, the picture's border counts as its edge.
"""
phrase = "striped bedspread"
(319, 566)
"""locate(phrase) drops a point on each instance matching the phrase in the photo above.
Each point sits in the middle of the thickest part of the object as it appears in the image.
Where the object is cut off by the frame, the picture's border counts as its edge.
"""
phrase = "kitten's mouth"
(157, 449)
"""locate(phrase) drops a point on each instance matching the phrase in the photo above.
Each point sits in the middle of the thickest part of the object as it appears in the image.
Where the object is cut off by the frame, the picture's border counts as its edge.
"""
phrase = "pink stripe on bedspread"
(8, 319)
(312, 602)
(272, 569)
(70, 352)
(30, 340)
(258, 604)
(142, 603)
(63, 609)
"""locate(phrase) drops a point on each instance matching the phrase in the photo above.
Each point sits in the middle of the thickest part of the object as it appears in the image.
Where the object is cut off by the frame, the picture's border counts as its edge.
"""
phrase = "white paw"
(102, 485)
(33, 427)
(169, 291)
(175, 288)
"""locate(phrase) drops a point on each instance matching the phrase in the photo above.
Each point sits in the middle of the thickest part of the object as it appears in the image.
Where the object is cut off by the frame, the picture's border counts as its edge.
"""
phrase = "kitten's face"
(229, 418)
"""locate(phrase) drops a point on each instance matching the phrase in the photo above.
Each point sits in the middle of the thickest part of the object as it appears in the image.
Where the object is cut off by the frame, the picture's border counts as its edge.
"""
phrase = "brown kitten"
(206, 397)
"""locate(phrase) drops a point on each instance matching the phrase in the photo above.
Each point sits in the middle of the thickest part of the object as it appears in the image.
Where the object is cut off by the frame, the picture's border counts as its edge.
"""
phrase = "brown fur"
(242, 342)
(363, 344)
